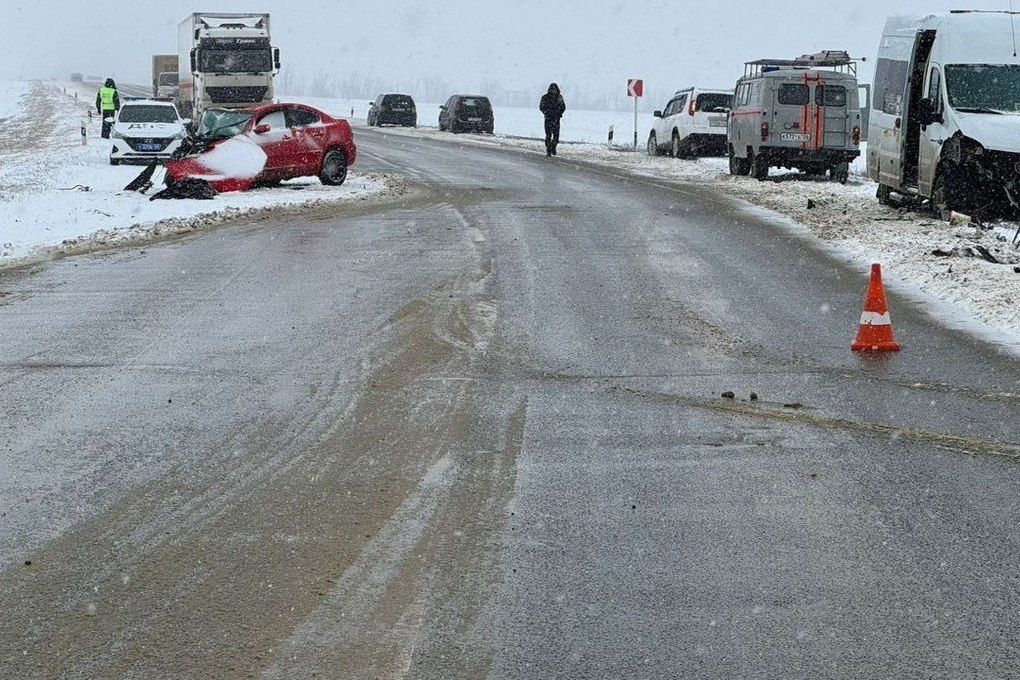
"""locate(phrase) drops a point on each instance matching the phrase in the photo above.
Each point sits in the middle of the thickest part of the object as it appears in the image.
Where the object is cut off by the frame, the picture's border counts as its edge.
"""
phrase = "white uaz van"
(796, 113)
(945, 119)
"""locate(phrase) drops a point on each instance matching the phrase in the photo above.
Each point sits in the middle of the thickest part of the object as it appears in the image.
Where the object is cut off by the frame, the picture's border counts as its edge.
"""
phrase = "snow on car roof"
(147, 102)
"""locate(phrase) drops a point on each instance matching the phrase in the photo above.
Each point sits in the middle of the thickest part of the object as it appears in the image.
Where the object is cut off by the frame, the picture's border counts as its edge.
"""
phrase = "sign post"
(635, 89)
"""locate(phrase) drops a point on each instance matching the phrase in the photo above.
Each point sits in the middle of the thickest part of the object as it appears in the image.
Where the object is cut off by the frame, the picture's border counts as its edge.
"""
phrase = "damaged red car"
(237, 149)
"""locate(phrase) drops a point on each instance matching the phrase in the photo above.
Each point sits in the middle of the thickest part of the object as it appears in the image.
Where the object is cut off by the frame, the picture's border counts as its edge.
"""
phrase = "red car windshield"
(219, 124)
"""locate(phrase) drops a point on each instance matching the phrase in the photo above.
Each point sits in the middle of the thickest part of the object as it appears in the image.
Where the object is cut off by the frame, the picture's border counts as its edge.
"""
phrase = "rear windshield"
(794, 95)
(830, 95)
(476, 104)
(217, 123)
(398, 100)
(718, 103)
(148, 114)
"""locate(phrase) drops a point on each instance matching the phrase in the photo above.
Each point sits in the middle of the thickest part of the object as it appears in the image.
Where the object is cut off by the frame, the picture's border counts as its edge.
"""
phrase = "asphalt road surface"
(480, 433)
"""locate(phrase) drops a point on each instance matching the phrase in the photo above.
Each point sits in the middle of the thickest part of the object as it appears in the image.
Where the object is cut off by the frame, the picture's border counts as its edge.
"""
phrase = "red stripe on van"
(804, 113)
(819, 116)
(811, 117)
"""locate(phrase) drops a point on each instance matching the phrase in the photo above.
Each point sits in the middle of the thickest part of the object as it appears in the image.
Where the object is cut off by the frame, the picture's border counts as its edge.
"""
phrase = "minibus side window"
(890, 83)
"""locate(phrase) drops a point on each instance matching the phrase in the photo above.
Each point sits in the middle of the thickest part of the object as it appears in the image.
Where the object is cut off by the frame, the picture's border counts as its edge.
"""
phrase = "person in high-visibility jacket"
(108, 104)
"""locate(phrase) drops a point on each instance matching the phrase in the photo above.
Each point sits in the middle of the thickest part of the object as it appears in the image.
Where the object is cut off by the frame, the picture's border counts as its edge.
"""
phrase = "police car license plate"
(399, 110)
(148, 147)
(716, 122)
(795, 137)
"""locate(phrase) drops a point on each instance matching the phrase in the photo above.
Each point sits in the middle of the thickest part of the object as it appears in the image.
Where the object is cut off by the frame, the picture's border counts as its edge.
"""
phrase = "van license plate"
(795, 137)
(716, 122)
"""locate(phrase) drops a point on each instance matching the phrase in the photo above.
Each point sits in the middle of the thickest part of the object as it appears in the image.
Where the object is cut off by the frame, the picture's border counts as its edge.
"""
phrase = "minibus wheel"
(883, 193)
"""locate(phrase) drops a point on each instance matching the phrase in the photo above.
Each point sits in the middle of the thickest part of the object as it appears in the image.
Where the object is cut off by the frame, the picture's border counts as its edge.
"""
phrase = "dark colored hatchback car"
(393, 109)
(466, 113)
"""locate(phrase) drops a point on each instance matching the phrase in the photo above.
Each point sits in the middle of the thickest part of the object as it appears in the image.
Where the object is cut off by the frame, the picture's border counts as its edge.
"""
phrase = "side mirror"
(194, 61)
(276, 58)
(261, 129)
(927, 112)
(657, 114)
(443, 107)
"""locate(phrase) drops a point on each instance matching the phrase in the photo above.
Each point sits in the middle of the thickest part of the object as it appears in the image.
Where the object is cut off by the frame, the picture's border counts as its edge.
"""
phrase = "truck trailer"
(164, 75)
(226, 60)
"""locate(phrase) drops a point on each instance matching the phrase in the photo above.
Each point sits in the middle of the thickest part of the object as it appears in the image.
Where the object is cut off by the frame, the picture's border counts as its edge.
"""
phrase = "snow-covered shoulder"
(58, 195)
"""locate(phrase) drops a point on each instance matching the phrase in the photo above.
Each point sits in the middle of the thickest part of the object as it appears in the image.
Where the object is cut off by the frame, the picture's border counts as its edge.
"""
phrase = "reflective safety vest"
(106, 95)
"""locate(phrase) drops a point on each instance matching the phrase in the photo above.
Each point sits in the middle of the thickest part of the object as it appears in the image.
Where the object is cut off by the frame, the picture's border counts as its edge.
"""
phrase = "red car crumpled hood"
(228, 165)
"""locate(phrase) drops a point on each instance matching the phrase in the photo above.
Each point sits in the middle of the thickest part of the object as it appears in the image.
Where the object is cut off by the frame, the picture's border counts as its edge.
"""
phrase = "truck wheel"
(653, 145)
(759, 166)
(884, 190)
(334, 168)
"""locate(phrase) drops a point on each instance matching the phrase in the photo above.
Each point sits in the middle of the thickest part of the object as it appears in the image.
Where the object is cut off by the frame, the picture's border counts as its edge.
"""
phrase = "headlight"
(117, 134)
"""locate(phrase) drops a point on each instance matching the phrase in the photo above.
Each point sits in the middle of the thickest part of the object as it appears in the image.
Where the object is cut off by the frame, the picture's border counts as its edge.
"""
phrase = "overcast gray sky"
(520, 43)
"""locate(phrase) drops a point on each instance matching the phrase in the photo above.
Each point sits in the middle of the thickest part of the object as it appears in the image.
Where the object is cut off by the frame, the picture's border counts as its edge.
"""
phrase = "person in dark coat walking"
(108, 104)
(552, 106)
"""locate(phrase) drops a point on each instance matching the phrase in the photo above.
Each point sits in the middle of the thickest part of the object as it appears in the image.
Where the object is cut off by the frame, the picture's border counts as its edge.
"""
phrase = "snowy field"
(578, 126)
(57, 195)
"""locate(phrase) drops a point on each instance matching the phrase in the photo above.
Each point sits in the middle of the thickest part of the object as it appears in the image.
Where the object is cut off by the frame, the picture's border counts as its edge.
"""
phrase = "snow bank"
(11, 94)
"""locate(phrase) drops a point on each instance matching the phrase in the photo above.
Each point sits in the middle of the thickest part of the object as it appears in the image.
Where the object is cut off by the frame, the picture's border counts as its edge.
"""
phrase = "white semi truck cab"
(226, 61)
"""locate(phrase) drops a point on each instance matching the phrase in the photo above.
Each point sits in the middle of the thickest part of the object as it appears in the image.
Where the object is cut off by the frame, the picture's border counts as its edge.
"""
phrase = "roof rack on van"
(837, 60)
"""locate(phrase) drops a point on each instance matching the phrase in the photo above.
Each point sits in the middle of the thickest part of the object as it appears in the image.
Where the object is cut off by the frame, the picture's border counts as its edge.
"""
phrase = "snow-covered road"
(924, 257)
(59, 196)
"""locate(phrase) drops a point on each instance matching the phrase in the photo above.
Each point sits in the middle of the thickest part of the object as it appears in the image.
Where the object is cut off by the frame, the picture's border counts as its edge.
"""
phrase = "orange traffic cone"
(875, 331)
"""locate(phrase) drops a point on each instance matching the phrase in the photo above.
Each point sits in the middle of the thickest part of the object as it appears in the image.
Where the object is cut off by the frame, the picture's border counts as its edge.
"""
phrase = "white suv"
(692, 124)
(146, 130)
